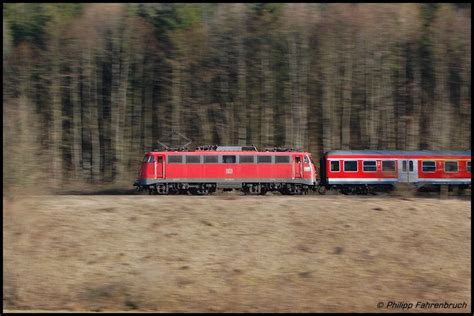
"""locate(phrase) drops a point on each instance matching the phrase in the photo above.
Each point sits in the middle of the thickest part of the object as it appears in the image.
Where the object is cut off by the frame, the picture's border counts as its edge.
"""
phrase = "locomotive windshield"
(148, 158)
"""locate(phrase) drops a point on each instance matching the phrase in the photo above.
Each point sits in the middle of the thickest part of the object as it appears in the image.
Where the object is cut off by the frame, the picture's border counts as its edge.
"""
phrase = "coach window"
(282, 159)
(210, 159)
(450, 166)
(193, 159)
(370, 165)
(246, 159)
(350, 165)
(264, 159)
(468, 167)
(229, 159)
(335, 166)
(428, 166)
(175, 159)
(388, 165)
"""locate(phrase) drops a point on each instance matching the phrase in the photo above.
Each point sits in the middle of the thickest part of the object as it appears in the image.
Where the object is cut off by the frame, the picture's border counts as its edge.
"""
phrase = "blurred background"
(88, 88)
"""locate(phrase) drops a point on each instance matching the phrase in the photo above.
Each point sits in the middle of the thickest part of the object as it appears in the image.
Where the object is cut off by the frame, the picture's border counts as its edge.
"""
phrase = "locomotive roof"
(234, 152)
(401, 152)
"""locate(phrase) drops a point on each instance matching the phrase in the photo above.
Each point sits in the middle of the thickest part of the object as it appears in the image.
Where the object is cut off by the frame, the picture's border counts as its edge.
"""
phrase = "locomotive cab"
(152, 168)
(309, 168)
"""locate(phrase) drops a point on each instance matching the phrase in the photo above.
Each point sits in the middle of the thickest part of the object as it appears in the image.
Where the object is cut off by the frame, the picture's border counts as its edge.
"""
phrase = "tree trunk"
(327, 104)
(294, 84)
(347, 102)
(121, 146)
(148, 104)
(267, 104)
(56, 134)
(304, 71)
(95, 115)
(77, 122)
(176, 95)
(242, 88)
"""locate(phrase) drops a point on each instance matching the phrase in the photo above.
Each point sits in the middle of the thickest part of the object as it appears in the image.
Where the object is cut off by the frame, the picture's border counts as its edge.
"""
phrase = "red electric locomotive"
(360, 171)
(209, 168)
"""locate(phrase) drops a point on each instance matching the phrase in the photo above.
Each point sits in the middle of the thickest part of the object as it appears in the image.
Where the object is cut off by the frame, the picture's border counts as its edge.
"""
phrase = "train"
(208, 169)
(366, 171)
(293, 172)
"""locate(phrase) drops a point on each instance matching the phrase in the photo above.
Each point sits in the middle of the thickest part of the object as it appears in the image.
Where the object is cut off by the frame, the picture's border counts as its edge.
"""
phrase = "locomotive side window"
(429, 166)
(193, 159)
(388, 165)
(264, 159)
(350, 165)
(246, 159)
(160, 159)
(369, 165)
(282, 159)
(450, 166)
(175, 159)
(468, 166)
(210, 159)
(229, 159)
(335, 166)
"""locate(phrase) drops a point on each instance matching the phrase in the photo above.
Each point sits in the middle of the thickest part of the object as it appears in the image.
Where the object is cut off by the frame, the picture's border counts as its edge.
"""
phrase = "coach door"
(298, 167)
(159, 166)
(407, 170)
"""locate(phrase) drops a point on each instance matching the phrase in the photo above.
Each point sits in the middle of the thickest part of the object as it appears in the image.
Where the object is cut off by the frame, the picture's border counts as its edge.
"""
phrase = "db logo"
(229, 171)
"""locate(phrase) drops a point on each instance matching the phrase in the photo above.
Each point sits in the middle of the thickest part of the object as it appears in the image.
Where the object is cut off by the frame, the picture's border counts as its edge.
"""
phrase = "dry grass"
(234, 253)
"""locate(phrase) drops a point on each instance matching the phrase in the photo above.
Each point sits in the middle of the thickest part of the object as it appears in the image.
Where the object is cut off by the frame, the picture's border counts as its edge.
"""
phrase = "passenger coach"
(358, 171)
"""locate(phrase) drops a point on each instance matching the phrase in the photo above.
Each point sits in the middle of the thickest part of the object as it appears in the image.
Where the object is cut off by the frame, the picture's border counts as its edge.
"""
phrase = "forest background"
(88, 88)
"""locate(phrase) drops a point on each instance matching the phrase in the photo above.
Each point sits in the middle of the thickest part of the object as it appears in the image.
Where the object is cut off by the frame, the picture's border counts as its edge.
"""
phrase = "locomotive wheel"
(298, 190)
(322, 190)
(196, 191)
(365, 190)
(344, 191)
(203, 192)
(199, 191)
